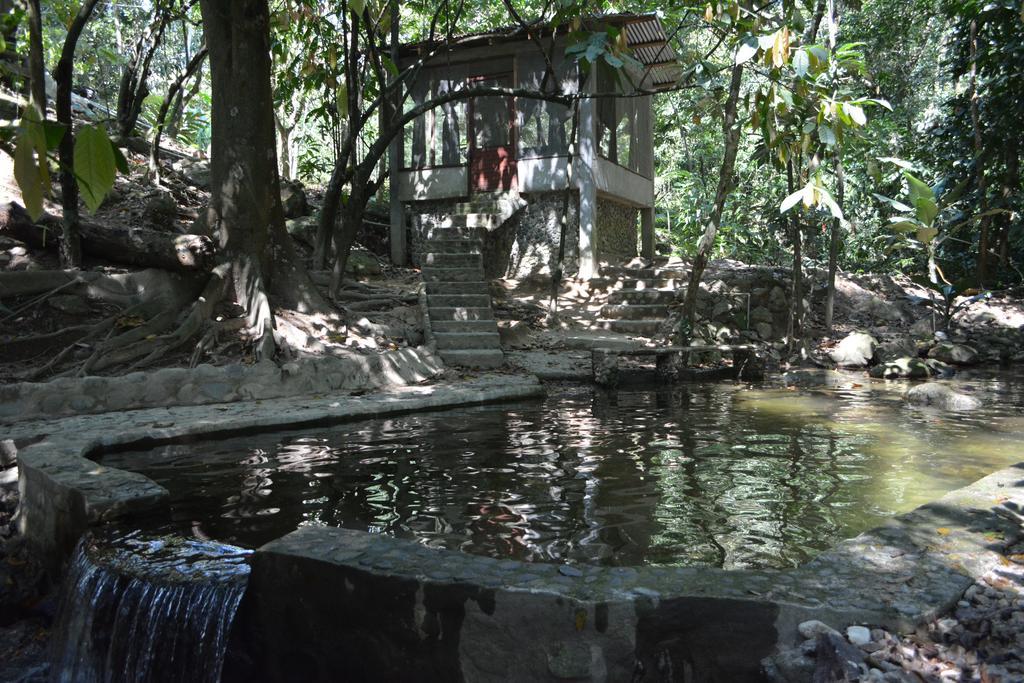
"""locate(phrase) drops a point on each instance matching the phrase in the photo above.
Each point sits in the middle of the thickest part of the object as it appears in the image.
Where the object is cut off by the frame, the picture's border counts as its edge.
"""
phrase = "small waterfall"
(140, 608)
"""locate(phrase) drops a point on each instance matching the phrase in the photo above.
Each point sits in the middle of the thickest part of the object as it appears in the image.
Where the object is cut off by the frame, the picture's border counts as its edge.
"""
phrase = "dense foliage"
(950, 82)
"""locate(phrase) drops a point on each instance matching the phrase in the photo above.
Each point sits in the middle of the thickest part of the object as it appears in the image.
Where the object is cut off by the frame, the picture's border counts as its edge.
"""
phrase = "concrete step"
(641, 327)
(476, 206)
(444, 326)
(441, 260)
(447, 288)
(627, 271)
(434, 274)
(458, 301)
(460, 313)
(467, 340)
(473, 358)
(642, 296)
(431, 233)
(470, 219)
(461, 246)
(634, 311)
(624, 284)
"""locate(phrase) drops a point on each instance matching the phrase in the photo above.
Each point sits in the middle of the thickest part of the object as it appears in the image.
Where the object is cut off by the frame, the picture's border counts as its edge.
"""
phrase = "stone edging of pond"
(63, 492)
(340, 596)
(209, 384)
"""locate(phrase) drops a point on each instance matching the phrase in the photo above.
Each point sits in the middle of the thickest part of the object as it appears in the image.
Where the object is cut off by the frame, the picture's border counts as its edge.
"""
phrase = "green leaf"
(826, 134)
(95, 165)
(120, 161)
(898, 205)
(357, 6)
(827, 200)
(27, 174)
(899, 162)
(801, 63)
(855, 113)
(905, 226)
(926, 210)
(54, 134)
(918, 188)
(791, 201)
(746, 50)
(926, 234)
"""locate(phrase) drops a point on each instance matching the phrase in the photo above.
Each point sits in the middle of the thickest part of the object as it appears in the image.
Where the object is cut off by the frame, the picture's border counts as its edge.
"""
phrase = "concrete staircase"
(459, 316)
(640, 297)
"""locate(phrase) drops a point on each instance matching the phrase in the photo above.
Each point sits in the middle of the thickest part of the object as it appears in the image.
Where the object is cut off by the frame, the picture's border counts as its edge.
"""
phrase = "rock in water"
(147, 609)
(941, 396)
(901, 368)
(855, 351)
(956, 354)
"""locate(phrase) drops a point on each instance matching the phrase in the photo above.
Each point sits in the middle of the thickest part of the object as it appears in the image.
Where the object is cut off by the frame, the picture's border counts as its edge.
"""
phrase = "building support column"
(583, 171)
(647, 233)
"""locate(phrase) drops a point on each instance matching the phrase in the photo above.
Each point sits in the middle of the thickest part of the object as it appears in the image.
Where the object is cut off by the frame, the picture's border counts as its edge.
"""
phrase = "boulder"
(901, 368)
(303, 229)
(894, 347)
(923, 327)
(196, 173)
(814, 377)
(856, 350)
(955, 354)
(761, 315)
(362, 263)
(942, 396)
(293, 200)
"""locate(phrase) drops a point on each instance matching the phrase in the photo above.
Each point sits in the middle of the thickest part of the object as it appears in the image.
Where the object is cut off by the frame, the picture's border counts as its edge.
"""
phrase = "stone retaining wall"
(330, 600)
(63, 492)
(207, 384)
(616, 230)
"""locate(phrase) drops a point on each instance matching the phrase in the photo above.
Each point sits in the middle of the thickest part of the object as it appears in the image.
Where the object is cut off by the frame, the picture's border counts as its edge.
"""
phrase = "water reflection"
(712, 474)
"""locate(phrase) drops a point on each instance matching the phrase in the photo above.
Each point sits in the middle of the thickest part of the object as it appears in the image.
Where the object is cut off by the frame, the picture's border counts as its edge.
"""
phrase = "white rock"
(858, 635)
(814, 628)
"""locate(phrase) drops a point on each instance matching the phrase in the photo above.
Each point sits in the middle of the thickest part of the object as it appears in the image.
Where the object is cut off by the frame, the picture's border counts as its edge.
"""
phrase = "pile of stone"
(981, 641)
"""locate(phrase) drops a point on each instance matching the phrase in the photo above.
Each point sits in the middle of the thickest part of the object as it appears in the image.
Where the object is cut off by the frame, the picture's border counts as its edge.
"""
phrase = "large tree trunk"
(796, 307)
(173, 91)
(731, 133)
(133, 87)
(130, 246)
(245, 212)
(835, 241)
(36, 67)
(1011, 185)
(70, 248)
(982, 188)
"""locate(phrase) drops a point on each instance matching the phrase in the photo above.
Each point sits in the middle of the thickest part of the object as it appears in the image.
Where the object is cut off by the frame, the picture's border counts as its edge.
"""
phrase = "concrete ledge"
(380, 608)
(208, 384)
(63, 492)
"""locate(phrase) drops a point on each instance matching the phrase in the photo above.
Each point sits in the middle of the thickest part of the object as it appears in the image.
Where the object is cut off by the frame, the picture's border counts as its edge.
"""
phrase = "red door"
(492, 139)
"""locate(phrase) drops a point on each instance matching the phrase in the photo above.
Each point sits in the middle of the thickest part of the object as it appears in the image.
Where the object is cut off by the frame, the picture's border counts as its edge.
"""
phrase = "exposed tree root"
(150, 341)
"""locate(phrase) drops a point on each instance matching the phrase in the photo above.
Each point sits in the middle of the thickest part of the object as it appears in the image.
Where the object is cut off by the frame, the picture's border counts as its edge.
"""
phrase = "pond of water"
(704, 474)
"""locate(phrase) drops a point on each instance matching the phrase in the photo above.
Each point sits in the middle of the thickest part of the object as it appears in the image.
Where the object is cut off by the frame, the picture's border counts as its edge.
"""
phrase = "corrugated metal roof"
(650, 46)
(644, 35)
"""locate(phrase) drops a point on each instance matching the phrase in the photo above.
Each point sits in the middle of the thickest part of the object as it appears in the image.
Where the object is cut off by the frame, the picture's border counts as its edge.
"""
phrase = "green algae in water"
(704, 474)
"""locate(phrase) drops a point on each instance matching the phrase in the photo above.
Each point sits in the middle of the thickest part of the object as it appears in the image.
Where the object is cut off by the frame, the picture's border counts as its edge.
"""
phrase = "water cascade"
(140, 608)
